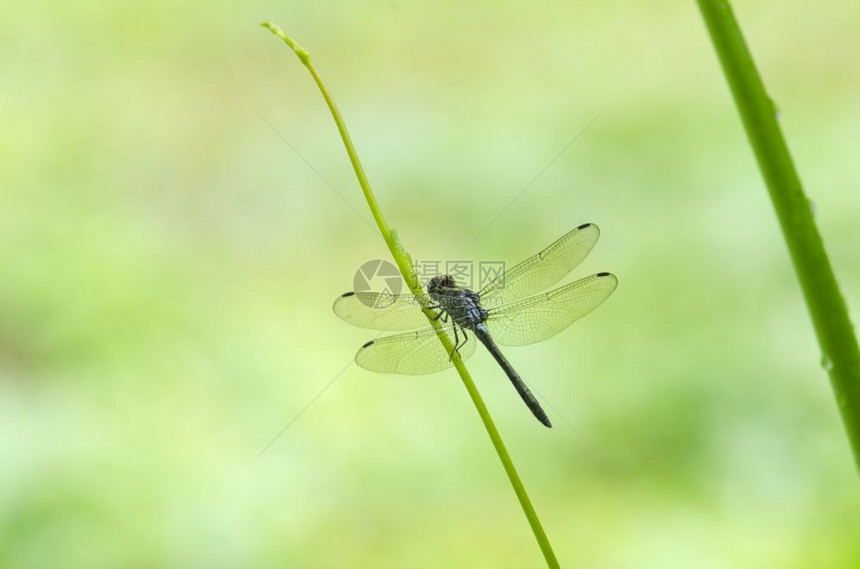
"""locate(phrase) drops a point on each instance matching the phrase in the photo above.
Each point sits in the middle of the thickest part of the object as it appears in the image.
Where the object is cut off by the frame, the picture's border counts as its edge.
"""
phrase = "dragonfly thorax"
(461, 304)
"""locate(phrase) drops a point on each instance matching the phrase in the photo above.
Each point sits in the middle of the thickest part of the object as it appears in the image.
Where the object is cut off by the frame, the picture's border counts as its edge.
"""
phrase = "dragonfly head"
(438, 284)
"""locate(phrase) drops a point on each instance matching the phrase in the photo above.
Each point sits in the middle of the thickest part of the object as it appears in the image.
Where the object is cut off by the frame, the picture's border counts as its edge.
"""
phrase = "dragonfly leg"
(456, 344)
(463, 343)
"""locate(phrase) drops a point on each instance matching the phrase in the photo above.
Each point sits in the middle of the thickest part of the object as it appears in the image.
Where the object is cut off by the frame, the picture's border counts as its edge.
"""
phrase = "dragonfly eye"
(442, 281)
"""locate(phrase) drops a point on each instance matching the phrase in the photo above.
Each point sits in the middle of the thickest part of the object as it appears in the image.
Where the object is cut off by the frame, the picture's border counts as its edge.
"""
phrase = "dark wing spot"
(603, 274)
(367, 344)
(584, 226)
(346, 294)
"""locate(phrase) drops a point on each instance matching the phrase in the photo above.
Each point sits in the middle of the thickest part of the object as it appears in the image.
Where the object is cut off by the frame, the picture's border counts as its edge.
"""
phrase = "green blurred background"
(169, 263)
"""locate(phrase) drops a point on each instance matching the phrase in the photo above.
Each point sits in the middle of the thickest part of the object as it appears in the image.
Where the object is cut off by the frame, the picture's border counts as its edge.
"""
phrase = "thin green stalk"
(840, 355)
(404, 263)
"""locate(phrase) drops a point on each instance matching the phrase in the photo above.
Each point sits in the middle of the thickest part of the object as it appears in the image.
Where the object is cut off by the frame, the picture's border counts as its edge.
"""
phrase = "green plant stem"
(836, 337)
(404, 263)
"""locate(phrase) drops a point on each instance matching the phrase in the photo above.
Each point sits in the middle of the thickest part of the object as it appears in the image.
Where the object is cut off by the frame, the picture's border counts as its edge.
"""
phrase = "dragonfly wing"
(541, 271)
(413, 353)
(542, 316)
(380, 311)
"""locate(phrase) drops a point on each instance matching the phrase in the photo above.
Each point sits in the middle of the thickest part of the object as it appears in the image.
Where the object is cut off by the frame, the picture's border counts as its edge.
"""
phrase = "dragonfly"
(512, 309)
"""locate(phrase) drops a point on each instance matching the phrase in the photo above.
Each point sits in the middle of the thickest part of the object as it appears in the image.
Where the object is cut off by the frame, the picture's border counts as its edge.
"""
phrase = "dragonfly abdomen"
(484, 336)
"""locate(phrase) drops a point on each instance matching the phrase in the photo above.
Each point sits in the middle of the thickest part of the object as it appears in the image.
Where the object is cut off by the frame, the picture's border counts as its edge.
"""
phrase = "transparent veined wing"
(380, 311)
(542, 316)
(413, 353)
(541, 271)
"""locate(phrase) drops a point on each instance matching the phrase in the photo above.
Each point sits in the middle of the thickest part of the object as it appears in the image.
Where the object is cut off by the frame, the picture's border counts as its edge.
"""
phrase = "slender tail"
(519, 385)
